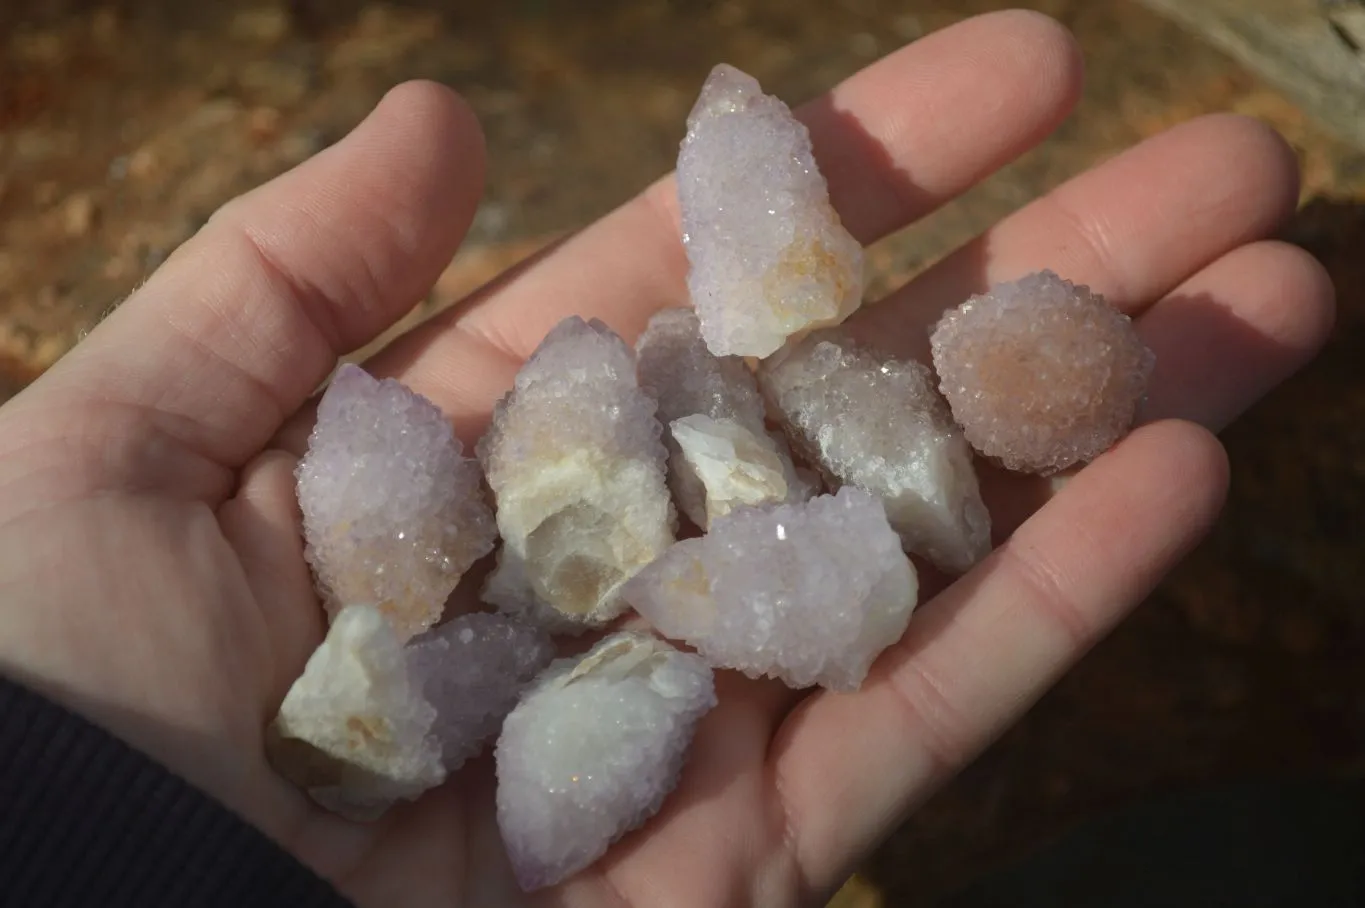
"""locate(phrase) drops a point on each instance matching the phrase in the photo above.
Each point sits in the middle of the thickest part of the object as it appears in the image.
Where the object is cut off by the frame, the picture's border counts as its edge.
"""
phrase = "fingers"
(242, 324)
(895, 140)
(263, 525)
(1235, 330)
(1132, 228)
(848, 767)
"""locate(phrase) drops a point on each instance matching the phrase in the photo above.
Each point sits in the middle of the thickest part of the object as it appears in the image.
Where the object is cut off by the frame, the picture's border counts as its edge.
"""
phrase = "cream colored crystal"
(735, 466)
(720, 452)
(575, 461)
(354, 731)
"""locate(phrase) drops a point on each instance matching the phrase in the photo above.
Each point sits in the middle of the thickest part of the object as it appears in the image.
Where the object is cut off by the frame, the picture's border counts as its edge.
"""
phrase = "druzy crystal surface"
(721, 455)
(393, 513)
(577, 466)
(809, 593)
(354, 731)
(1041, 373)
(769, 256)
(471, 670)
(593, 749)
(870, 420)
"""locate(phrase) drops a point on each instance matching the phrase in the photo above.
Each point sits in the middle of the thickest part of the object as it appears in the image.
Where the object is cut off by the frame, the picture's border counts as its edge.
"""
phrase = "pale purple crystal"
(471, 670)
(393, 513)
(769, 256)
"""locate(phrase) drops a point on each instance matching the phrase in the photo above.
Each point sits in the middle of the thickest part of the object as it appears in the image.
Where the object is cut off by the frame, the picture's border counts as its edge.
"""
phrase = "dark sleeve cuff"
(85, 820)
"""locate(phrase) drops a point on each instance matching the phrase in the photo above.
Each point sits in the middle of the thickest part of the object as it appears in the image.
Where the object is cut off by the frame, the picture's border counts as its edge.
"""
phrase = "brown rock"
(78, 214)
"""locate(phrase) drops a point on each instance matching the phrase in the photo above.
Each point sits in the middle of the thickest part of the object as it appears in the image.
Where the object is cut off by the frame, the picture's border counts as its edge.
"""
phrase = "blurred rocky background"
(123, 125)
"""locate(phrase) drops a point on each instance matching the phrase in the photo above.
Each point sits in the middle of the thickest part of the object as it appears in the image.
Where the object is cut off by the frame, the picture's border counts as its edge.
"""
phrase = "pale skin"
(151, 572)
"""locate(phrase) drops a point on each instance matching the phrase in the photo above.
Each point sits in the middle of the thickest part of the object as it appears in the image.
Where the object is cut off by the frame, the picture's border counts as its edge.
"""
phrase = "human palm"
(150, 558)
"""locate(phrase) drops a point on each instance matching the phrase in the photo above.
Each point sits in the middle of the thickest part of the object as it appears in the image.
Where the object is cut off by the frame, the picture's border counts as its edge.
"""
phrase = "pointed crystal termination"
(809, 593)
(720, 454)
(393, 513)
(354, 731)
(1041, 373)
(873, 421)
(770, 258)
(593, 749)
(472, 669)
(576, 463)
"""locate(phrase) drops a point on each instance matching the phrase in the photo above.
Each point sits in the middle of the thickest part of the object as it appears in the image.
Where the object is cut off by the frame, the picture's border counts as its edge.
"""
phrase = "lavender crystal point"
(874, 421)
(578, 469)
(769, 256)
(721, 455)
(1041, 373)
(809, 593)
(353, 730)
(393, 513)
(592, 750)
(472, 669)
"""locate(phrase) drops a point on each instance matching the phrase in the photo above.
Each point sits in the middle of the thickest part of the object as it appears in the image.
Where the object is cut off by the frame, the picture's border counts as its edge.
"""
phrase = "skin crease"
(151, 572)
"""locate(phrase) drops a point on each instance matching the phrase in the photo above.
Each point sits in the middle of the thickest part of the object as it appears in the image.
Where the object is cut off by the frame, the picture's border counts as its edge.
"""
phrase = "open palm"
(151, 571)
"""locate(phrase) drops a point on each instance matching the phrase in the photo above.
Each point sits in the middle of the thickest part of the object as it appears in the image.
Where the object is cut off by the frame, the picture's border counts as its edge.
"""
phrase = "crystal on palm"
(577, 466)
(592, 750)
(472, 670)
(873, 421)
(354, 730)
(720, 452)
(393, 513)
(769, 256)
(1041, 373)
(809, 593)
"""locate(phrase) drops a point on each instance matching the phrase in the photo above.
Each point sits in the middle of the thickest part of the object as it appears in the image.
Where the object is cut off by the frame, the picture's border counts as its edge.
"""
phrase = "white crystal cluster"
(875, 422)
(393, 513)
(746, 406)
(577, 467)
(769, 256)
(809, 593)
(593, 749)
(721, 453)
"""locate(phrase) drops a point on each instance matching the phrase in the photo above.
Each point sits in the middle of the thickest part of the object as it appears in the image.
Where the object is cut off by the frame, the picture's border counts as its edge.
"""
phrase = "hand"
(150, 558)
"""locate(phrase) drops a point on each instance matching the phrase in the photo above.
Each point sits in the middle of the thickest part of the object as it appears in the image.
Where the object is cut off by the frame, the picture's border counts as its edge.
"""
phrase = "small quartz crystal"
(769, 256)
(1042, 374)
(393, 513)
(472, 670)
(593, 749)
(354, 731)
(577, 466)
(721, 455)
(874, 421)
(809, 593)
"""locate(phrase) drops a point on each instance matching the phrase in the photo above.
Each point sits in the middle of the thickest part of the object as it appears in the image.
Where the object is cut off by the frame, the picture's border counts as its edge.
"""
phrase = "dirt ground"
(123, 126)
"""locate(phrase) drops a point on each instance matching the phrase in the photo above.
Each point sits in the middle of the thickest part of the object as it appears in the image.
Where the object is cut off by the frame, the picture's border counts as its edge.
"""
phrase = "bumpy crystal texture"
(769, 256)
(471, 670)
(873, 421)
(576, 463)
(354, 731)
(1041, 373)
(720, 453)
(593, 749)
(393, 513)
(809, 593)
